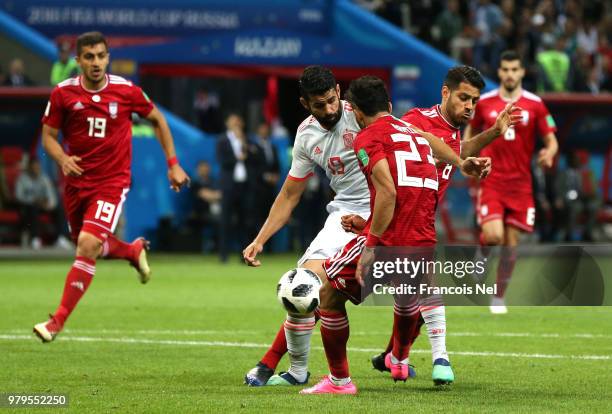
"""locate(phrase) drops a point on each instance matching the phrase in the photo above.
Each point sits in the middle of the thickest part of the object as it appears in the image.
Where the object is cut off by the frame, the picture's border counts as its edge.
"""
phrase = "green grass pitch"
(183, 342)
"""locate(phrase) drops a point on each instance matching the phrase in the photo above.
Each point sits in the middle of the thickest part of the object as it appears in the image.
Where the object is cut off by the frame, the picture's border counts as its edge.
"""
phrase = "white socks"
(298, 332)
(435, 320)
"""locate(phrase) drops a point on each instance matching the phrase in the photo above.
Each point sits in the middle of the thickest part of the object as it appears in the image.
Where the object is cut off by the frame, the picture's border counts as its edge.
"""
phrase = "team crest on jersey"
(113, 108)
(349, 138)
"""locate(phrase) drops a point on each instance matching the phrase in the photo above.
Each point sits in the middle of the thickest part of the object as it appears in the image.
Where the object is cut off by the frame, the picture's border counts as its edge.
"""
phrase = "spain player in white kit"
(324, 139)
(94, 113)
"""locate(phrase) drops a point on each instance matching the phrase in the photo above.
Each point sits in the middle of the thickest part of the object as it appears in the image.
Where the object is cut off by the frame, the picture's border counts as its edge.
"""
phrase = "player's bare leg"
(135, 253)
(507, 260)
(493, 234)
(77, 281)
(293, 336)
(335, 334)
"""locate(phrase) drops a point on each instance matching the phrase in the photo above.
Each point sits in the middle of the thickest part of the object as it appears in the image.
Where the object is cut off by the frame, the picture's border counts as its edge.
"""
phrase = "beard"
(510, 86)
(329, 121)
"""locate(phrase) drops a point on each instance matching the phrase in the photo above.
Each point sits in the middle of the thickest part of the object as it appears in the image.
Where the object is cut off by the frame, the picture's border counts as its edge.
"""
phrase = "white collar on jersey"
(89, 90)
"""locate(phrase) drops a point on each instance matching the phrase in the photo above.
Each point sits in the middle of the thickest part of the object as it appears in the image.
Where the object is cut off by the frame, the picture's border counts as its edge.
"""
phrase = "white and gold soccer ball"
(298, 291)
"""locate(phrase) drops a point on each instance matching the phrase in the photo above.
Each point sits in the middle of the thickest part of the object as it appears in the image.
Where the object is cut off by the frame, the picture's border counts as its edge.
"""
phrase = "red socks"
(405, 320)
(113, 248)
(277, 349)
(335, 335)
(505, 268)
(78, 280)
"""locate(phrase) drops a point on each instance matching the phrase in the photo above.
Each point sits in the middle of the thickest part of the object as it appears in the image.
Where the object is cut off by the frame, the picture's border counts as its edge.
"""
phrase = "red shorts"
(517, 211)
(95, 211)
(341, 268)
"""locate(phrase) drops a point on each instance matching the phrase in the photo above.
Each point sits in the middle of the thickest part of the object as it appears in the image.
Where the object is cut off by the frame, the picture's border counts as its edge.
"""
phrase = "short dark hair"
(369, 95)
(90, 39)
(509, 56)
(316, 80)
(464, 73)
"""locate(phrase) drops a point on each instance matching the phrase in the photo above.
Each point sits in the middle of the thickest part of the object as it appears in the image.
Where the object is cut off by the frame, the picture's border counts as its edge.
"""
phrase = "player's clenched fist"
(250, 254)
(352, 223)
(178, 178)
(71, 167)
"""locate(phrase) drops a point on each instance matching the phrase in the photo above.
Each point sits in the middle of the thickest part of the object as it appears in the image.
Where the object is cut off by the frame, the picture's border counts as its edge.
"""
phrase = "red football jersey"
(511, 154)
(431, 120)
(97, 126)
(415, 176)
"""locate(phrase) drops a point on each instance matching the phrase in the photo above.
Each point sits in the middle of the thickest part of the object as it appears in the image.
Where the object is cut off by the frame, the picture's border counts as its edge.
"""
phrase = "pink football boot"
(325, 386)
(399, 371)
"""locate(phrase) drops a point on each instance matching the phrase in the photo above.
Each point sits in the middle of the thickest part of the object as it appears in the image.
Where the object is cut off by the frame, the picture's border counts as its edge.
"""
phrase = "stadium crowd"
(565, 44)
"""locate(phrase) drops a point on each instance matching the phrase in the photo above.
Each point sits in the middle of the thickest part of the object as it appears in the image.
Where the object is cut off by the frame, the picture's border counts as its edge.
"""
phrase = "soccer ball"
(298, 291)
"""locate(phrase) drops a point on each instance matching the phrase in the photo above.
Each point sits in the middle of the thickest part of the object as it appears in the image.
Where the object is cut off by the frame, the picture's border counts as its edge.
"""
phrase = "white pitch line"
(355, 333)
(223, 344)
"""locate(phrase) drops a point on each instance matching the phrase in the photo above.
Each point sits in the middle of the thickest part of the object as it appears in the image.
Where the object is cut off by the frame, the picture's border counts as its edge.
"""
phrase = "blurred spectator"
(35, 195)
(587, 37)
(234, 154)
(65, 67)
(488, 19)
(206, 105)
(553, 67)
(448, 26)
(206, 200)
(548, 214)
(577, 197)
(16, 75)
(267, 179)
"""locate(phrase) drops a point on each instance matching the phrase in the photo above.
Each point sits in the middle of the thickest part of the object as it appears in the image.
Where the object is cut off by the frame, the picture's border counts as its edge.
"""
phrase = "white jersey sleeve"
(302, 165)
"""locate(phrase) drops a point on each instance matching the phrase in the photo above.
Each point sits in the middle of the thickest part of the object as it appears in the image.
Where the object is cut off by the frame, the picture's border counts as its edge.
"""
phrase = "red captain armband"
(172, 161)
(372, 241)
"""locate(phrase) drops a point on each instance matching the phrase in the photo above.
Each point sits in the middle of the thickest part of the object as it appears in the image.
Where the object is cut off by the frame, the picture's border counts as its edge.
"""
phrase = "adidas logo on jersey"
(78, 106)
(317, 150)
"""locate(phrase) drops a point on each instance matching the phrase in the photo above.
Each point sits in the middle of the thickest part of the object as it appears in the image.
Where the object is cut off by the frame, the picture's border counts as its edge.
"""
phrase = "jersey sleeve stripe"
(69, 82)
(291, 177)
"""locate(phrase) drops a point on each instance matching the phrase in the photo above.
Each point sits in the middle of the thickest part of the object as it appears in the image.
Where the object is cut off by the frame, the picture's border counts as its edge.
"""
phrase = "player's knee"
(493, 238)
(88, 246)
(330, 299)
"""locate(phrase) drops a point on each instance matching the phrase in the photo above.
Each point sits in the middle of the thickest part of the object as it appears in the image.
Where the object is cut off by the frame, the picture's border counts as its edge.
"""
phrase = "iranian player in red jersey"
(94, 112)
(460, 93)
(402, 178)
(505, 205)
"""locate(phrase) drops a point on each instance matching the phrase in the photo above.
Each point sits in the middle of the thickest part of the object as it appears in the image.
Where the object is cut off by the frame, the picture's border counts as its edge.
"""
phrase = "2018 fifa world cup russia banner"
(170, 18)
(546, 275)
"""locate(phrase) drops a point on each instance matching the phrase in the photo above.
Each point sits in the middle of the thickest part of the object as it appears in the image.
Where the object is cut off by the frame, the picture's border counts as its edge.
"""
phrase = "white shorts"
(332, 237)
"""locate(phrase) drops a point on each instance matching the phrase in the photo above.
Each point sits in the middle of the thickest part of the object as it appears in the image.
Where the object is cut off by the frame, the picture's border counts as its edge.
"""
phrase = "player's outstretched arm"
(547, 154)
(68, 164)
(279, 214)
(384, 208)
(471, 145)
(176, 175)
(439, 148)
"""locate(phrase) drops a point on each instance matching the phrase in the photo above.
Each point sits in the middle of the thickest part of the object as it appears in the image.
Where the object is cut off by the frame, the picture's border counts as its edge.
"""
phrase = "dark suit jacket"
(227, 160)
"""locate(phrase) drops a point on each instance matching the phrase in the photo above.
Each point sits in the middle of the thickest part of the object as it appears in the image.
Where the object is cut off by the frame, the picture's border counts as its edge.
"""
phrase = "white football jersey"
(333, 151)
